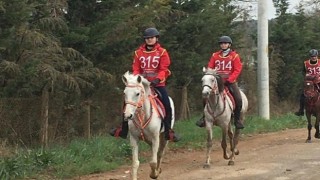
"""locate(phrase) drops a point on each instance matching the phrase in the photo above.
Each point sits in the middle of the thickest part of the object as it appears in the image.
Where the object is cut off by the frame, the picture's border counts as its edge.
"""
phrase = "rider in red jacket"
(311, 67)
(152, 62)
(229, 66)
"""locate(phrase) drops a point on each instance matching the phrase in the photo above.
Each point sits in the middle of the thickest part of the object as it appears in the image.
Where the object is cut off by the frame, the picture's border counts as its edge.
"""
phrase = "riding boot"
(301, 108)
(121, 131)
(201, 122)
(237, 121)
(234, 90)
(169, 134)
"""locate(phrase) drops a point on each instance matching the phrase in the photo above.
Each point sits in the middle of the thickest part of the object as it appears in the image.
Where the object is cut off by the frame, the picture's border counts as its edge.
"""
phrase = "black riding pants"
(235, 91)
(166, 103)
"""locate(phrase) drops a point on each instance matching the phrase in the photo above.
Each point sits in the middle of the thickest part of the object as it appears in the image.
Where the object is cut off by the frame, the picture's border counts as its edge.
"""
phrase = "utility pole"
(263, 61)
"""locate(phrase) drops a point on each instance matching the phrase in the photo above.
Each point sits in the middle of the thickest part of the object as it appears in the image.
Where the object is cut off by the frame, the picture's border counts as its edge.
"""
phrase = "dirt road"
(273, 156)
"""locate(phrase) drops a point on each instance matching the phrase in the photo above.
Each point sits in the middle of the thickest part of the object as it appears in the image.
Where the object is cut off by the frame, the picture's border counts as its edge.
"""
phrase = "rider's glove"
(155, 82)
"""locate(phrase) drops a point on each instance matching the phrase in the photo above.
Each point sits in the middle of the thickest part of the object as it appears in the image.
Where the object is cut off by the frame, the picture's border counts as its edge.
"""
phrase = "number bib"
(312, 69)
(224, 66)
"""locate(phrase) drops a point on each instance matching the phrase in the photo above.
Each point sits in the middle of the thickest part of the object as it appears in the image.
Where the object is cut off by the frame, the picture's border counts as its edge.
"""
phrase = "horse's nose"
(205, 93)
(127, 116)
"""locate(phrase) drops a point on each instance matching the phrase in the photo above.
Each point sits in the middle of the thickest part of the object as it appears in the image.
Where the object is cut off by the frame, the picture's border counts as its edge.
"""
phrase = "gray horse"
(218, 111)
(144, 118)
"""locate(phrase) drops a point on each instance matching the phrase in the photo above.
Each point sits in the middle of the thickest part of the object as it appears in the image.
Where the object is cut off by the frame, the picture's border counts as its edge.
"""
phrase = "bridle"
(139, 112)
(140, 101)
(312, 96)
(214, 86)
(215, 89)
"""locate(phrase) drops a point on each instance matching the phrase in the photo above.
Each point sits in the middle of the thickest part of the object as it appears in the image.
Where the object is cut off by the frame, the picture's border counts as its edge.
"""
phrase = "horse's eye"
(138, 94)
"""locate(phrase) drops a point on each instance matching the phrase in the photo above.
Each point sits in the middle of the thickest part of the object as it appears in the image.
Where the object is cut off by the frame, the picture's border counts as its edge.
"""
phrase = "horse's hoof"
(237, 152)
(317, 136)
(226, 157)
(308, 141)
(231, 163)
(152, 176)
(206, 166)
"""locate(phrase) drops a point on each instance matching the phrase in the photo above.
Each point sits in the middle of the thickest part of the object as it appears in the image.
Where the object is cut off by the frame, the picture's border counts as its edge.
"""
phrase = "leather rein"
(312, 96)
(214, 89)
(140, 113)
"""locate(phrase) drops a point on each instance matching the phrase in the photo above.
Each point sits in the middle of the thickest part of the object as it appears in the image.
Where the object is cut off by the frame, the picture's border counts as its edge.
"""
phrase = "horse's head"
(134, 93)
(311, 86)
(211, 82)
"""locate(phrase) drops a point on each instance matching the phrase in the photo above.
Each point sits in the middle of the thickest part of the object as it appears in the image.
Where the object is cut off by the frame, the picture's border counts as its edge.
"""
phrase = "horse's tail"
(244, 102)
(173, 112)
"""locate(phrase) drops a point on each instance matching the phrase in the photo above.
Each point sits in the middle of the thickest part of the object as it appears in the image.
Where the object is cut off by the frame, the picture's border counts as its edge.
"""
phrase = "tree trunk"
(87, 120)
(184, 107)
(44, 117)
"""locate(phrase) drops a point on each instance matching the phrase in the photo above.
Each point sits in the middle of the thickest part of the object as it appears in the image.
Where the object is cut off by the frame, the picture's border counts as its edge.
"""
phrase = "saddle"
(228, 93)
(158, 103)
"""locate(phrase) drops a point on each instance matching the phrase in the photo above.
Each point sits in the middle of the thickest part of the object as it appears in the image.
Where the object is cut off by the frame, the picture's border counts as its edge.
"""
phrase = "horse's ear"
(204, 69)
(139, 79)
(124, 77)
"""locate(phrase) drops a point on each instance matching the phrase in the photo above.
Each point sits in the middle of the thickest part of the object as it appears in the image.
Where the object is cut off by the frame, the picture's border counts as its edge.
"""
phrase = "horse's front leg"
(232, 145)
(153, 163)
(224, 142)
(161, 151)
(236, 141)
(209, 144)
(316, 126)
(135, 156)
(237, 135)
(308, 114)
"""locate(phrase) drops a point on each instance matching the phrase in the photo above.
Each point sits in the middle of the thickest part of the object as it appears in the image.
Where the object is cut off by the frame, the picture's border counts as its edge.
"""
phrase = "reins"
(140, 113)
(215, 90)
(314, 94)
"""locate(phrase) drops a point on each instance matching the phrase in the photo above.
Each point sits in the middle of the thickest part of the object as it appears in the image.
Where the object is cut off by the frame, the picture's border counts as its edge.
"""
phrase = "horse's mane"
(218, 77)
(134, 79)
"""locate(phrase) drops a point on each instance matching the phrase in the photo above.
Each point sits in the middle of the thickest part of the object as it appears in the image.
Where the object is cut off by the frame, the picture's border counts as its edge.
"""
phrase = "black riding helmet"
(225, 39)
(313, 52)
(151, 32)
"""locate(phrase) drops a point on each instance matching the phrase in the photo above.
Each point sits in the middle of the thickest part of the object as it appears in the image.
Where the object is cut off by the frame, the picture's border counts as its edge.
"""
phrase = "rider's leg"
(301, 108)
(169, 133)
(121, 131)
(234, 89)
(201, 122)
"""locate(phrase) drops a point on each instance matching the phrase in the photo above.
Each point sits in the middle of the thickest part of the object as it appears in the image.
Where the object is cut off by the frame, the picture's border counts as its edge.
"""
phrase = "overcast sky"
(272, 11)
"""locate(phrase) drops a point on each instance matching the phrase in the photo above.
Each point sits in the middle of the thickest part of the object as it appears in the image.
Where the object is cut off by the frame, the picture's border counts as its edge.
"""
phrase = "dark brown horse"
(312, 102)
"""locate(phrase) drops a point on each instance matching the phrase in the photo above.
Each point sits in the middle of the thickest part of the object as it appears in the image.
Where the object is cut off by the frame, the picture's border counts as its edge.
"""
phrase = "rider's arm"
(163, 68)
(237, 67)
(136, 64)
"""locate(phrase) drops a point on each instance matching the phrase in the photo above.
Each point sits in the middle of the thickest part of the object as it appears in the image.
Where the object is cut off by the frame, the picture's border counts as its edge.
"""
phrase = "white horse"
(144, 120)
(218, 111)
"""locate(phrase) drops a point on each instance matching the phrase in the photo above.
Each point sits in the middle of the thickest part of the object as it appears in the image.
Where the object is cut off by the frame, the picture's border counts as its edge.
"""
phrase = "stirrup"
(117, 132)
(299, 113)
(172, 136)
(201, 122)
(238, 124)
